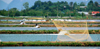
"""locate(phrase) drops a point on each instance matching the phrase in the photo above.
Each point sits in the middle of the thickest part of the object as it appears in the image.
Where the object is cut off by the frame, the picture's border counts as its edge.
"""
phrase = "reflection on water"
(37, 37)
(50, 47)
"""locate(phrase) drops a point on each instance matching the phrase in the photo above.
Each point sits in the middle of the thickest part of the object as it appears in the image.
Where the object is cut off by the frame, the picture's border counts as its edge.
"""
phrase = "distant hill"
(3, 5)
(19, 3)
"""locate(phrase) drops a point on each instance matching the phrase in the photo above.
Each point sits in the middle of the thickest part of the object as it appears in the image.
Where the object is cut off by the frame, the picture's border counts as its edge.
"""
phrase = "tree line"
(49, 8)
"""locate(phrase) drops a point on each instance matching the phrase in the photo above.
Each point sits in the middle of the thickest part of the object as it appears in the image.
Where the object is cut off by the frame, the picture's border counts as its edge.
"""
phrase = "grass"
(47, 43)
(39, 22)
(17, 25)
(81, 31)
(74, 18)
(78, 18)
(9, 22)
(42, 32)
(28, 31)
(48, 25)
(20, 18)
(49, 22)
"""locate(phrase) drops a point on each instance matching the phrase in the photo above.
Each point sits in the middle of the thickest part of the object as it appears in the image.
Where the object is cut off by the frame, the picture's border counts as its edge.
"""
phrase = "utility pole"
(21, 8)
(8, 11)
(57, 10)
(22, 11)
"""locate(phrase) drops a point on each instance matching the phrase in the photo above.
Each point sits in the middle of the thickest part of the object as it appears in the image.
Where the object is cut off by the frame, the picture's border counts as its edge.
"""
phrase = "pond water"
(45, 28)
(50, 47)
(37, 37)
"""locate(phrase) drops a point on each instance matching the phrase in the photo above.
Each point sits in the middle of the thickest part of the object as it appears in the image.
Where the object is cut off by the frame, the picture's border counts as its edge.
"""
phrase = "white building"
(83, 6)
(86, 13)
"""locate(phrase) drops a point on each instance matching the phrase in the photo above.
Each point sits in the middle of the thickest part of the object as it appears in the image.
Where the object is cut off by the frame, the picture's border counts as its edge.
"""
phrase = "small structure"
(37, 26)
(86, 13)
(83, 6)
(98, 5)
(95, 12)
(22, 23)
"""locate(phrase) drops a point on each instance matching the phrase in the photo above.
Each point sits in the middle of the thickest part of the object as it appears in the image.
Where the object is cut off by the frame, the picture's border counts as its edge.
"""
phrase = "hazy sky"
(9, 1)
(4, 4)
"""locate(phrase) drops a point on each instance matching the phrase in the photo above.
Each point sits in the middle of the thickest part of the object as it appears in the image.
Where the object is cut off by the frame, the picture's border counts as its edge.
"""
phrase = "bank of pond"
(44, 32)
(48, 25)
(46, 22)
(47, 43)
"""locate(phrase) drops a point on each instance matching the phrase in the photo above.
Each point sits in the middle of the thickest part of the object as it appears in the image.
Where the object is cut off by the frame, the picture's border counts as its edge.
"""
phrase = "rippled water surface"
(51, 47)
(37, 37)
(45, 28)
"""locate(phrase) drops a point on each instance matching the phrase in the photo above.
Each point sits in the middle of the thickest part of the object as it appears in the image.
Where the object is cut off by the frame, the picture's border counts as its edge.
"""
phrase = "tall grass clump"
(47, 43)
(43, 32)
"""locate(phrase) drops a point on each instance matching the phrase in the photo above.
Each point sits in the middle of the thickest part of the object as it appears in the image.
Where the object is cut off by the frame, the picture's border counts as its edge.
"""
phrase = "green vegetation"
(26, 25)
(17, 25)
(67, 22)
(20, 18)
(49, 22)
(47, 43)
(41, 32)
(48, 25)
(81, 31)
(55, 17)
(98, 14)
(49, 8)
(39, 22)
(9, 22)
(28, 31)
